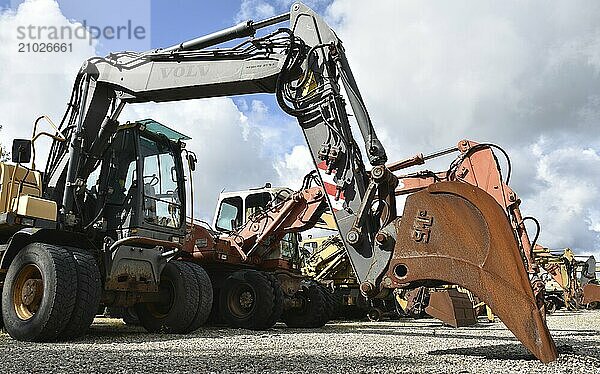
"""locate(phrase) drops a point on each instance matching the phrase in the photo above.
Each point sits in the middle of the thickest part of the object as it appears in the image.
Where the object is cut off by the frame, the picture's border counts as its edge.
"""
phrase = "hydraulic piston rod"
(240, 30)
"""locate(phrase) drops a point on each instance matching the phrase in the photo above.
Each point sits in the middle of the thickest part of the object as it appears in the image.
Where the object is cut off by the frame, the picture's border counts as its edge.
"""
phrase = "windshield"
(230, 214)
(162, 200)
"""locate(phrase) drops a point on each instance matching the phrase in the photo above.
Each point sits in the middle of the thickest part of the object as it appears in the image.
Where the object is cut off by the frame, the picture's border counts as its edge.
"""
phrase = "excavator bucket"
(591, 287)
(456, 233)
(452, 307)
(591, 293)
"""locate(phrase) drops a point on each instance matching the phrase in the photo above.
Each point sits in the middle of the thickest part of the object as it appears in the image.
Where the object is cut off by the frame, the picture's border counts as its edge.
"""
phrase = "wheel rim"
(374, 315)
(167, 292)
(28, 291)
(241, 301)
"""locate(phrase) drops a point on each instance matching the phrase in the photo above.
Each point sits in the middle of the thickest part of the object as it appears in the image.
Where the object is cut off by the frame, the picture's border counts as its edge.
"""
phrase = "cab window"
(256, 202)
(230, 214)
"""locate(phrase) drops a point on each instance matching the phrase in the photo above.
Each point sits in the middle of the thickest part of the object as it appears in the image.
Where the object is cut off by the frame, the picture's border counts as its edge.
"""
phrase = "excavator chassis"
(455, 233)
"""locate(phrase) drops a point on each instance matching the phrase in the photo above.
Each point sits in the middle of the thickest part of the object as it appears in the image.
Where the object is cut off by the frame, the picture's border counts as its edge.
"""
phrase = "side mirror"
(21, 151)
(191, 158)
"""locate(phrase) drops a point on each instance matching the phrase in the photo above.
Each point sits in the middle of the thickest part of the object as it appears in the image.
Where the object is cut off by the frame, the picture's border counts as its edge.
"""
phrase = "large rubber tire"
(313, 312)
(205, 296)
(175, 314)
(279, 299)
(249, 300)
(1, 317)
(330, 312)
(89, 291)
(53, 307)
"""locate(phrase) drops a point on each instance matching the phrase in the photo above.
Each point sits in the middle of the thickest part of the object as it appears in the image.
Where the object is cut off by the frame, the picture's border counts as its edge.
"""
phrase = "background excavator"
(570, 281)
(252, 256)
(60, 237)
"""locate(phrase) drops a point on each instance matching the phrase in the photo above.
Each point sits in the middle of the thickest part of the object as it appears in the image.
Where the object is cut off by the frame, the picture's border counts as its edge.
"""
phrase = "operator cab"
(139, 187)
(235, 208)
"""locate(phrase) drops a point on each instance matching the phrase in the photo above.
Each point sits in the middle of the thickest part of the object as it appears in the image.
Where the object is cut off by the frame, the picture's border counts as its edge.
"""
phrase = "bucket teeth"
(455, 233)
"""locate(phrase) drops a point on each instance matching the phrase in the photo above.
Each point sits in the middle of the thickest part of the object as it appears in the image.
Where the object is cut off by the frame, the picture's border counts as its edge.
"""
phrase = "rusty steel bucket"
(452, 307)
(456, 233)
(591, 293)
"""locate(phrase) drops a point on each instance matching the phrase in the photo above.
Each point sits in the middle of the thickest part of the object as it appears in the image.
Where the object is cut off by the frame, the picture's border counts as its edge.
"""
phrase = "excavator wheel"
(375, 314)
(250, 299)
(205, 296)
(329, 302)
(176, 311)
(1, 317)
(89, 291)
(550, 306)
(279, 299)
(312, 311)
(37, 298)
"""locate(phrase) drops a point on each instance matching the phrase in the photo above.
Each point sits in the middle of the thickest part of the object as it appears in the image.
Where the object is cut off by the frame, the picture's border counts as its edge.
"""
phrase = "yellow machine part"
(326, 222)
(401, 301)
(30, 206)
(21, 191)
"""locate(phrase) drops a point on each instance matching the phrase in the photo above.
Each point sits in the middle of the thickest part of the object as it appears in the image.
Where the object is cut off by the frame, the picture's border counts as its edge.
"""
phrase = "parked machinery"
(327, 263)
(253, 258)
(570, 282)
(590, 283)
(449, 232)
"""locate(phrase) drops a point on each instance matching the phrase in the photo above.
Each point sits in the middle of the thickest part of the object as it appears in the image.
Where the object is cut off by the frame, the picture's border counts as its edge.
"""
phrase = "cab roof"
(158, 128)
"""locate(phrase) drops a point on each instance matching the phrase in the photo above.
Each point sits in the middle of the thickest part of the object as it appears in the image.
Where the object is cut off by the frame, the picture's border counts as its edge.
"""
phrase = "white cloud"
(565, 195)
(294, 166)
(254, 10)
(261, 9)
(33, 84)
(511, 73)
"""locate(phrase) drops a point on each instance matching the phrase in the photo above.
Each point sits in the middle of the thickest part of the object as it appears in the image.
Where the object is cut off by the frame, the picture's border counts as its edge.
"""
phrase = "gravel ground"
(395, 346)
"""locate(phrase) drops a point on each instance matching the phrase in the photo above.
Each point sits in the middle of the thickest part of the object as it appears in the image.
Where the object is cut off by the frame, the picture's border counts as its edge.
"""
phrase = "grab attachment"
(456, 233)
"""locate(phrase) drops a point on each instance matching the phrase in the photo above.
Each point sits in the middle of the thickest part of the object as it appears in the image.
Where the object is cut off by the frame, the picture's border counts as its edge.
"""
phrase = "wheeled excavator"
(61, 238)
(252, 256)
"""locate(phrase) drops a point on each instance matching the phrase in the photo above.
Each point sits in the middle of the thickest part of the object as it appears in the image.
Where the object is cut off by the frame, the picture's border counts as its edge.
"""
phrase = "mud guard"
(456, 233)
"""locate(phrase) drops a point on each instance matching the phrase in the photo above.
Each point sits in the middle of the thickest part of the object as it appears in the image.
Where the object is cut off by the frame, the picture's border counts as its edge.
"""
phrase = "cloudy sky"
(524, 75)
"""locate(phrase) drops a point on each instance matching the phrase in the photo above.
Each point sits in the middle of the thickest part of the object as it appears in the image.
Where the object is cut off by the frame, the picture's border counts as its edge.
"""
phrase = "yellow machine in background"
(326, 261)
(570, 282)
